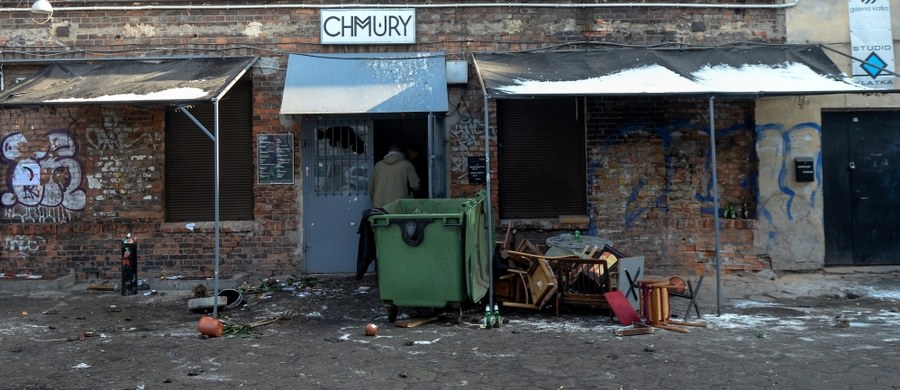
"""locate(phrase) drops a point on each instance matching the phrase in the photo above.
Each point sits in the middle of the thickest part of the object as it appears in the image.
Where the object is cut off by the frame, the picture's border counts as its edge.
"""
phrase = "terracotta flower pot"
(210, 326)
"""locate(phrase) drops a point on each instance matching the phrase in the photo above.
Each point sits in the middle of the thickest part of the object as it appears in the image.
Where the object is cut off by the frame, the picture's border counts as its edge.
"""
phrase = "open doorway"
(411, 134)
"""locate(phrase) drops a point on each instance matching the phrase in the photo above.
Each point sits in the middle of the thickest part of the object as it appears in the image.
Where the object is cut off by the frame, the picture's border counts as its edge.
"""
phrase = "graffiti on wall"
(23, 246)
(105, 139)
(43, 181)
(790, 223)
(466, 133)
(684, 177)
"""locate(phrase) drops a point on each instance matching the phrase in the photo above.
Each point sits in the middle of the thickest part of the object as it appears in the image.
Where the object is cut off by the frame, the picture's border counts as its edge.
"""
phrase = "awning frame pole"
(214, 136)
(216, 206)
(487, 183)
(715, 180)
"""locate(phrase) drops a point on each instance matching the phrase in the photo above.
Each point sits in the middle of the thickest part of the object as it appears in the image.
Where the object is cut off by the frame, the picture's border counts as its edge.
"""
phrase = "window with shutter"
(542, 163)
(189, 160)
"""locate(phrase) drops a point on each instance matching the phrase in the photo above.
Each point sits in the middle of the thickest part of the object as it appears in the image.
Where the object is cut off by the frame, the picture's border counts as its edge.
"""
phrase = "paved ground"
(794, 331)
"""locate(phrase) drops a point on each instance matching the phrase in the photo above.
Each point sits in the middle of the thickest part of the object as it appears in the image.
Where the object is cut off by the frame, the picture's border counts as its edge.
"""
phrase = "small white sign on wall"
(367, 26)
(871, 40)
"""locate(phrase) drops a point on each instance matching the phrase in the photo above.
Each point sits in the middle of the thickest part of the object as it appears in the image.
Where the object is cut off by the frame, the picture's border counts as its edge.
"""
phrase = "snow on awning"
(747, 71)
(135, 80)
(358, 83)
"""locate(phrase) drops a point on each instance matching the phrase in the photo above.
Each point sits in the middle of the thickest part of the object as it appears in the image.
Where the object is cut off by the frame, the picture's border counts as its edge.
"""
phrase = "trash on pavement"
(371, 329)
(413, 322)
(210, 326)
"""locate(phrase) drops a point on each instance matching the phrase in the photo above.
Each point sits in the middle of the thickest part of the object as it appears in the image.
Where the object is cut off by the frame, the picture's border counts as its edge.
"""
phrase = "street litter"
(246, 330)
(211, 327)
(413, 322)
(84, 335)
(228, 298)
(81, 365)
(371, 329)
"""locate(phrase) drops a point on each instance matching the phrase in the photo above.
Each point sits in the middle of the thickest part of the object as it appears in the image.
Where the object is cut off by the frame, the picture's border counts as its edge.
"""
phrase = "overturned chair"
(533, 276)
(584, 279)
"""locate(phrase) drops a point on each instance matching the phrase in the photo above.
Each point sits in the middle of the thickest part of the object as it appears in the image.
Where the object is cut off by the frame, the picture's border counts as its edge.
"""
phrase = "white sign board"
(871, 40)
(367, 26)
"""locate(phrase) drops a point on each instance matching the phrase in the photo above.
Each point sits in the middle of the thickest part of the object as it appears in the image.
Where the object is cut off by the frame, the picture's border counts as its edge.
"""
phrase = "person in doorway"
(394, 178)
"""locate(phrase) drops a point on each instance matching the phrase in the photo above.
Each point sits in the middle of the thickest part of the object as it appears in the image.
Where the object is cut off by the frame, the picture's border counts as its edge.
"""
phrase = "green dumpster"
(431, 252)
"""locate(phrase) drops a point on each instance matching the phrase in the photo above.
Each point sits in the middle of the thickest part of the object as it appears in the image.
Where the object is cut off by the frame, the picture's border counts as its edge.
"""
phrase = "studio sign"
(367, 26)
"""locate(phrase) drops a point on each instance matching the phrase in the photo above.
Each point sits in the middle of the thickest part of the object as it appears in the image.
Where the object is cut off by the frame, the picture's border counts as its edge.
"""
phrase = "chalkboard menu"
(477, 170)
(275, 158)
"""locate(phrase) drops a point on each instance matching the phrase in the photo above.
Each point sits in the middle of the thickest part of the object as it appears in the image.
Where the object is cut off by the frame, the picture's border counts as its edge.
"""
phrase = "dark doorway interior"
(411, 134)
(861, 169)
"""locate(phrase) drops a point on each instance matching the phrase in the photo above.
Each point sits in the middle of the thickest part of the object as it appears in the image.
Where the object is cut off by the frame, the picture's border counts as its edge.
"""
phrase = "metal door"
(337, 160)
(862, 187)
(437, 161)
(875, 187)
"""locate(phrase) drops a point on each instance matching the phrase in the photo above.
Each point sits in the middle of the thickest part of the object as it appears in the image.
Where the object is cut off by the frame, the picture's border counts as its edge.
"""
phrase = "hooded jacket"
(393, 178)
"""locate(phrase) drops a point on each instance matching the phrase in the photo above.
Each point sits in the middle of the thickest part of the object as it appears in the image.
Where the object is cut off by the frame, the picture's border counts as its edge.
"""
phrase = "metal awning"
(137, 80)
(738, 72)
(365, 83)
(725, 71)
(174, 82)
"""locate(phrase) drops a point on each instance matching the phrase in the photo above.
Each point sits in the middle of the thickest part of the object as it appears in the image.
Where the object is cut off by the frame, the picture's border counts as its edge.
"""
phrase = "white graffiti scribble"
(468, 132)
(24, 245)
(52, 187)
(39, 214)
(105, 139)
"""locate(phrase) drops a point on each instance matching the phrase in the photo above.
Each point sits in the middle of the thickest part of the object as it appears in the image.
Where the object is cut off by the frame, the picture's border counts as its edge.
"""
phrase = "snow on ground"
(884, 295)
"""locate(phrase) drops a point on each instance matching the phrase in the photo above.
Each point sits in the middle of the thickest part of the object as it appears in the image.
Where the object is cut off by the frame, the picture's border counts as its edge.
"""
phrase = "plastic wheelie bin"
(431, 253)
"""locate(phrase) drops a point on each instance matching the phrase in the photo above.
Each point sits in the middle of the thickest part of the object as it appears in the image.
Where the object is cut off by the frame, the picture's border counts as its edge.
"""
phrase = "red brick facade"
(647, 158)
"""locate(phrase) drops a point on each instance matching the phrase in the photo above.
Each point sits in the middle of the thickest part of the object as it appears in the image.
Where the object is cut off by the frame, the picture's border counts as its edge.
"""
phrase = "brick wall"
(50, 240)
(650, 183)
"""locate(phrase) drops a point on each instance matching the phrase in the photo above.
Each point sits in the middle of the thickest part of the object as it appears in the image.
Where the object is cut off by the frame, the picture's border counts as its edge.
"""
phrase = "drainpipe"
(416, 6)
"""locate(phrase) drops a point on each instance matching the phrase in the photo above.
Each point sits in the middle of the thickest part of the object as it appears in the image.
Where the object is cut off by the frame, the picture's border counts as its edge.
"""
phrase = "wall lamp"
(42, 7)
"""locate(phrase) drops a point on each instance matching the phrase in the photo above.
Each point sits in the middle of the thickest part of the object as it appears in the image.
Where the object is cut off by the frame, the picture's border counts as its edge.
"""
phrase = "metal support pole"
(490, 218)
(715, 179)
(216, 205)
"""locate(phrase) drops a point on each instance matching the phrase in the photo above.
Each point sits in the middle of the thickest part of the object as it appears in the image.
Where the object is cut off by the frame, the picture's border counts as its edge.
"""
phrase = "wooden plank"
(672, 328)
(101, 287)
(413, 322)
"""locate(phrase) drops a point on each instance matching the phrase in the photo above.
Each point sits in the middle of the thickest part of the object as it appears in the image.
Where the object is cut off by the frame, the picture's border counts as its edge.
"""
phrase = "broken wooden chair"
(585, 279)
(537, 278)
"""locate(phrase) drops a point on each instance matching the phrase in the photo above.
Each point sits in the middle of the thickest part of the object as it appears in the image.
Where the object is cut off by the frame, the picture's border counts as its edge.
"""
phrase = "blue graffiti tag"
(785, 164)
(633, 209)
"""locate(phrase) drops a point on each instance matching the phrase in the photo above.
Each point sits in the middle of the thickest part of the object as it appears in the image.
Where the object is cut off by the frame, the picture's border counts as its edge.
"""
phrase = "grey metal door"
(862, 187)
(437, 161)
(337, 160)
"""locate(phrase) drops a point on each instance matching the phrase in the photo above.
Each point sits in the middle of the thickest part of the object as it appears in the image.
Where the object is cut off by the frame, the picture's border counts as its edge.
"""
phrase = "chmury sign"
(367, 26)
(871, 41)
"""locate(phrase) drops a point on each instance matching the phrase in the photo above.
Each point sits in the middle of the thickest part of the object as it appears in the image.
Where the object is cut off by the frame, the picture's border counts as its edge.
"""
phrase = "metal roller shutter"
(189, 160)
(542, 166)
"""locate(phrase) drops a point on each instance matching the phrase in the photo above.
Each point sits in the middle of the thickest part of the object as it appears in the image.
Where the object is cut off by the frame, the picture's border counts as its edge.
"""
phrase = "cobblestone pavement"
(795, 331)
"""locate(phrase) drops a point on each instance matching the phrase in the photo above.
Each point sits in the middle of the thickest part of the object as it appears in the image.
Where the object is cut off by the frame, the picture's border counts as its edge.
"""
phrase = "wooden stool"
(655, 302)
